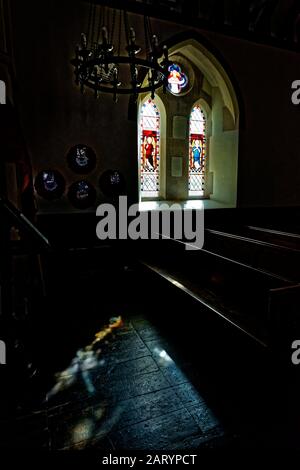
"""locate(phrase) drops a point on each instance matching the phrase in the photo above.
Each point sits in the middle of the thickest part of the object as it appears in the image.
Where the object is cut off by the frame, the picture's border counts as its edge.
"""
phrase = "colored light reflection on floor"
(125, 391)
(85, 359)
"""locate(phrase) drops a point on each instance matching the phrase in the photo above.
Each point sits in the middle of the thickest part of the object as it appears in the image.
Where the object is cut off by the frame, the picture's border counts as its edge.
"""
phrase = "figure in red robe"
(149, 153)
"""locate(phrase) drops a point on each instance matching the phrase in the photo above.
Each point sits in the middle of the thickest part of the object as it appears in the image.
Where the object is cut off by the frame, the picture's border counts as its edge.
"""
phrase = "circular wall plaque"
(81, 159)
(50, 184)
(82, 194)
(112, 183)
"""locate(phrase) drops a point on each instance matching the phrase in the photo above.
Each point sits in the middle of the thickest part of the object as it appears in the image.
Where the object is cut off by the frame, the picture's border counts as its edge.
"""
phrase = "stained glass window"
(177, 80)
(50, 184)
(150, 149)
(197, 152)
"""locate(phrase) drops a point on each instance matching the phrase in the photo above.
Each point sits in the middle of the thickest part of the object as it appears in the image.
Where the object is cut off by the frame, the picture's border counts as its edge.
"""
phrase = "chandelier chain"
(93, 24)
(89, 21)
(120, 34)
(113, 27)
(100, 24)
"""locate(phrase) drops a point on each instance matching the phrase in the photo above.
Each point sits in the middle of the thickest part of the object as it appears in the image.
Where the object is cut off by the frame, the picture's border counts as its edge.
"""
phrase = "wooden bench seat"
(263, 252)
(248, 298)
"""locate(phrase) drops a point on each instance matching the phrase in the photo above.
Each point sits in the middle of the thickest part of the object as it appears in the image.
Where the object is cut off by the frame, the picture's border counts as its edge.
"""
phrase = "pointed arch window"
(197, 152)
(150, 123)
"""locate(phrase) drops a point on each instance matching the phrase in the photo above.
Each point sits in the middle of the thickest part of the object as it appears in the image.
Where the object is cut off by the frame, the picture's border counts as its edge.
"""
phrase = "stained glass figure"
(50, 184)
(197, 152)
(177, 80)
(81, 159)
(82, 194)
(150, 149)
(112, 183)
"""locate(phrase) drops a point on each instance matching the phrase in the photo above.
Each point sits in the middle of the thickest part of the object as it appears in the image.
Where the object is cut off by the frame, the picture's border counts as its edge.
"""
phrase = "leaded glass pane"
(197, 152)
(150, 149)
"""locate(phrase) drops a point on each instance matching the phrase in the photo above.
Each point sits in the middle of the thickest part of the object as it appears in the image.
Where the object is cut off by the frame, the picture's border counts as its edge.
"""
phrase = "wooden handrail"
(274, 232)
(253, 240)
(238, 263)
(222, 314)
(18, 218)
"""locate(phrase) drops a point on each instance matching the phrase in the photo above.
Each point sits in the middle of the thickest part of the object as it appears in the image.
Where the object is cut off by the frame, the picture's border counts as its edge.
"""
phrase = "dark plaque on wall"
(112, 183)
(50, 184)
(81, 159)
(82, 194)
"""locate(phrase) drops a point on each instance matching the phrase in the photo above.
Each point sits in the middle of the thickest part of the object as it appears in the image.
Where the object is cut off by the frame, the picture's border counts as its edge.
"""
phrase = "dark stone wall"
(55, 116)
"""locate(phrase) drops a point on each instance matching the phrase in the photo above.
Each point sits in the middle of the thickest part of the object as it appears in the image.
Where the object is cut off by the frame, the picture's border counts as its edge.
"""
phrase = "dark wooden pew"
(279, 237)
(246, 297)
(279, 255)
(284, 238)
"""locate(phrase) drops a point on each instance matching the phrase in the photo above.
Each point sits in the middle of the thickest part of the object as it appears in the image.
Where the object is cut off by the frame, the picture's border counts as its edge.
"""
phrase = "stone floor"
(173, 377)
(132, 396)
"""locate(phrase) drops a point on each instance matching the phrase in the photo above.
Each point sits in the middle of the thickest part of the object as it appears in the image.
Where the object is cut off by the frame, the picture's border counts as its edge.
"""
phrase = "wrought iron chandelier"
(106, 59)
